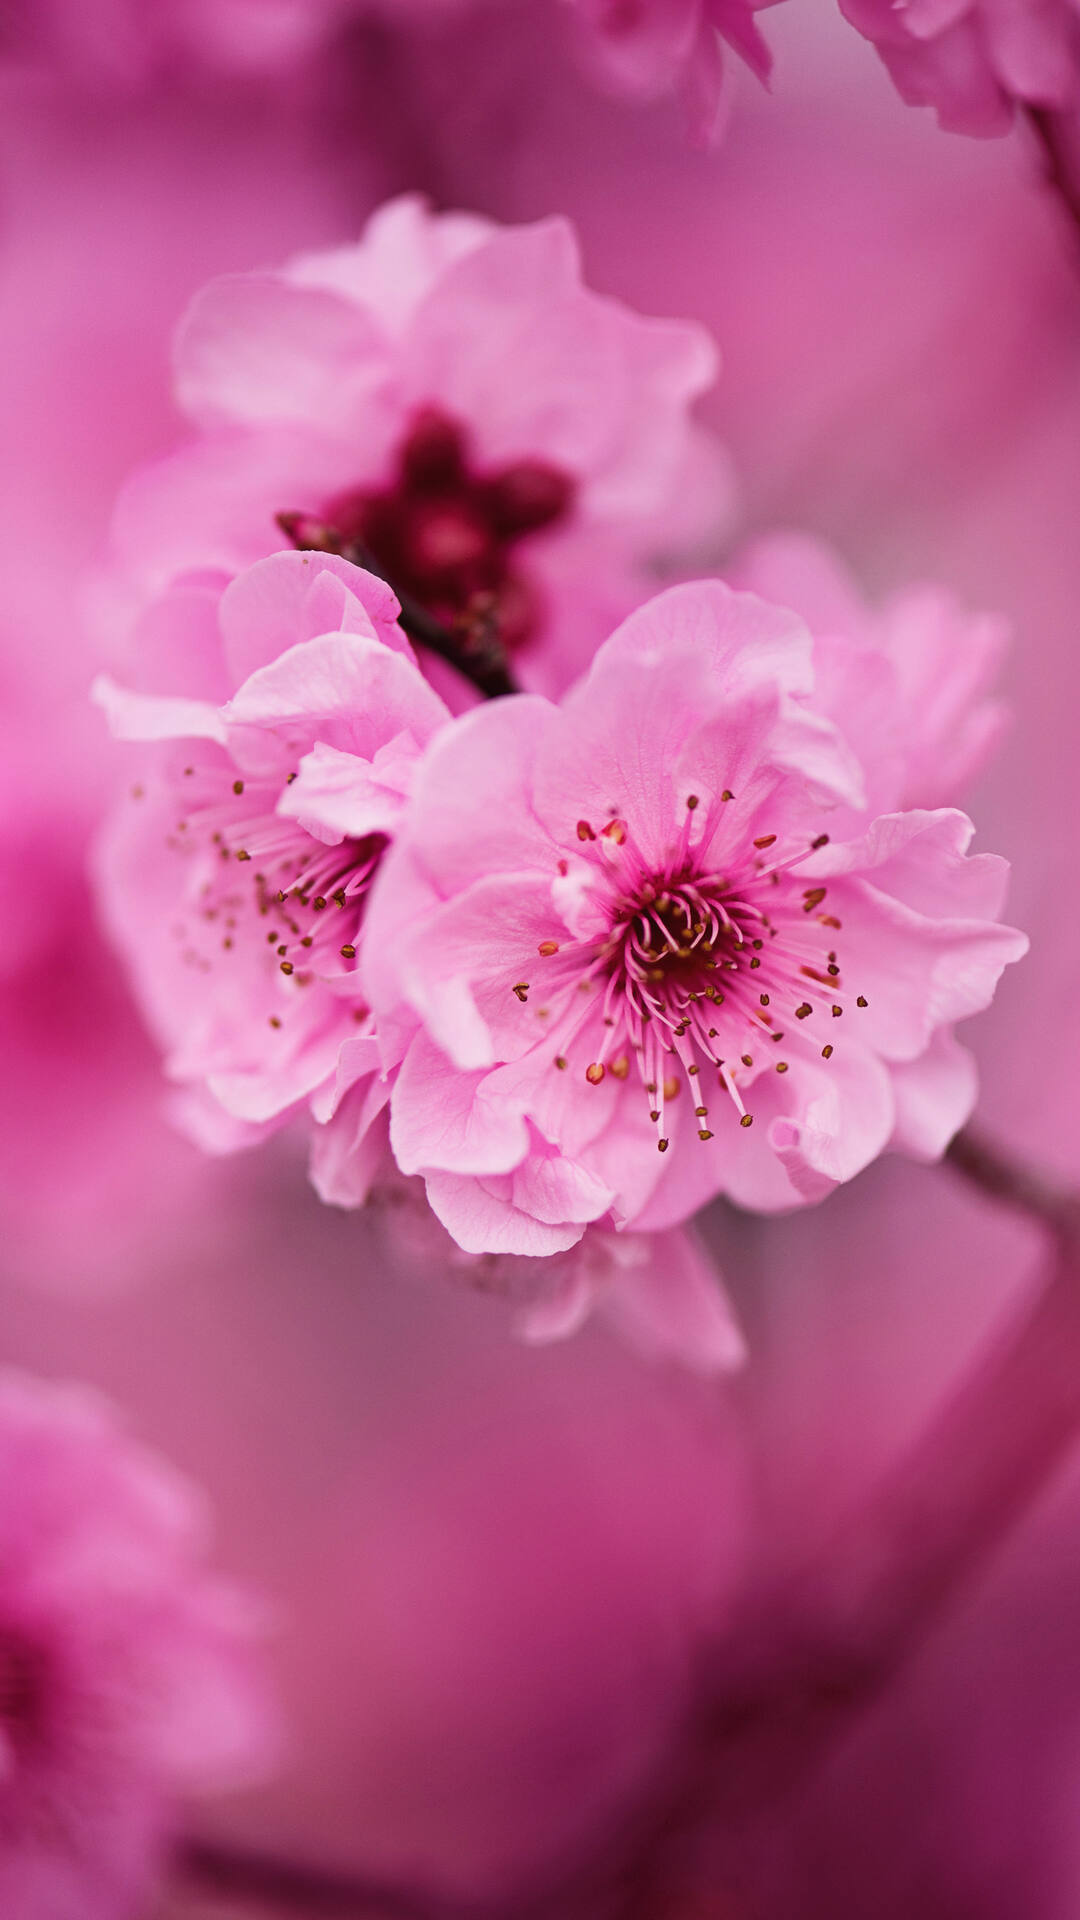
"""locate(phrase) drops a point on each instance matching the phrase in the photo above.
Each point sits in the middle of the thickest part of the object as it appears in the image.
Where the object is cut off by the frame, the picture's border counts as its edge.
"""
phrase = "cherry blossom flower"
(909, 681)
(126, 1671)
(659, 1293)
(620, 925)
(286, 715)
(447, 398)
(975, 60)
(653, 47)
(134, 42)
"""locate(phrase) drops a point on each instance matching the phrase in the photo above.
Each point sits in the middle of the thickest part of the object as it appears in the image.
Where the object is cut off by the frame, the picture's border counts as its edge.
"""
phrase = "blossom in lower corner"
(448, 398)
(282, 716)
(620, 965)
(127, 1672)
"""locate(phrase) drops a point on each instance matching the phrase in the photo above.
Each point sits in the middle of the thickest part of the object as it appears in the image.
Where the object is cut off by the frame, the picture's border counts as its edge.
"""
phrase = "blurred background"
(496, 1570)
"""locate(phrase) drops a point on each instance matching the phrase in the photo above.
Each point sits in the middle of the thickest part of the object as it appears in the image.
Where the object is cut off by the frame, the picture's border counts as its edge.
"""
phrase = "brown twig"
(473, 647)
(808, 1659)
(1047, 128)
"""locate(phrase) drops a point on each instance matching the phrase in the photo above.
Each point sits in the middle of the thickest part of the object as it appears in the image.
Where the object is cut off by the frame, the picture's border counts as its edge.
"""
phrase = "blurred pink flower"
(448, 395)
(974, 61)
(126, 1672)
(909, 681)
(133, 42)
(287, 715)
(660, 1293)
(652, 47)
(575, 926)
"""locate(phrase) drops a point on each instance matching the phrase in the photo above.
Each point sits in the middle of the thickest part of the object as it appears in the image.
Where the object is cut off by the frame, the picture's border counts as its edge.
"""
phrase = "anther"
(548, 947)
(286, 966)
(704, 1134)
(584, 831)
(802, 1012)
(812, 898)
(238, 786)
(560, 1063)
(826, 1053)
(348, 953)
(747, 1120)
(781, 1066)
(274, 1021)
(671, 1087)
(594, 1074)
(692, 801)
(620, 1067)
(615, 830)
(764, 999)
(766, 840)
(727, 794)
(836, 1012)
(318, 903)
(747, 1059)
(521, 988)
(662, 1146)
(700, 1112)
(242, 855)
(862, 1001)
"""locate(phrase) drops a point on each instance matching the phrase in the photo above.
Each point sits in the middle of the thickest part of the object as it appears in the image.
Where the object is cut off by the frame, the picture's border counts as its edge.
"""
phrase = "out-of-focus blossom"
(448, 397)
(975, 61)
(132, 42)
(287, 715)
(619, 925)
(908, 682)
(660, 1293)
(127, 1673)
(652, 47)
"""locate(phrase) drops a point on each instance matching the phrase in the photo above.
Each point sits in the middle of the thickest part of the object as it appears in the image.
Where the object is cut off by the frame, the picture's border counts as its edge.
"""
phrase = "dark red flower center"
(446, 533)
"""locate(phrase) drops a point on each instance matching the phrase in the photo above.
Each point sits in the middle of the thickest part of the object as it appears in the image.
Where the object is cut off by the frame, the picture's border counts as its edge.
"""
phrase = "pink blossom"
(126, 1670)
(286, 715)
(659, 1293)
(620, 924)
(975, 60)
(134, 42)
(652, 47)
(448, 396)
(908, 681)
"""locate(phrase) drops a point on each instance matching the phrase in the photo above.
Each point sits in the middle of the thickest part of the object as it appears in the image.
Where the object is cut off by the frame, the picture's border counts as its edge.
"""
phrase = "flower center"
(445, 533)
(260, 881)
(702, 973)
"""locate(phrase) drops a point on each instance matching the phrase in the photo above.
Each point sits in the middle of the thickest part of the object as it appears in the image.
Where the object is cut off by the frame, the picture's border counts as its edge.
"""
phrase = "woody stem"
(474, 648)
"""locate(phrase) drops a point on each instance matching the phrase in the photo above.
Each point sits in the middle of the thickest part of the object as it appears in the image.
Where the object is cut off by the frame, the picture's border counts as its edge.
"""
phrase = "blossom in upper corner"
(909, 681)
(127, 1672)
(283, 715)
(448, 399)
(974, 61)
(652, 47)
(621, 966)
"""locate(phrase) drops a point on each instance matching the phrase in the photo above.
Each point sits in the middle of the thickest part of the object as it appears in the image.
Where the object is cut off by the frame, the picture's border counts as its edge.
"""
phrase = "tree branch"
(1057, 171)
(473, 647)
(807, 1659)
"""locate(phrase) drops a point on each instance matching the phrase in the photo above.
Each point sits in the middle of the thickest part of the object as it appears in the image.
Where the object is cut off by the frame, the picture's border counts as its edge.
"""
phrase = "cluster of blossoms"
(126, 1671)
(698, 922)
(973, 61)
